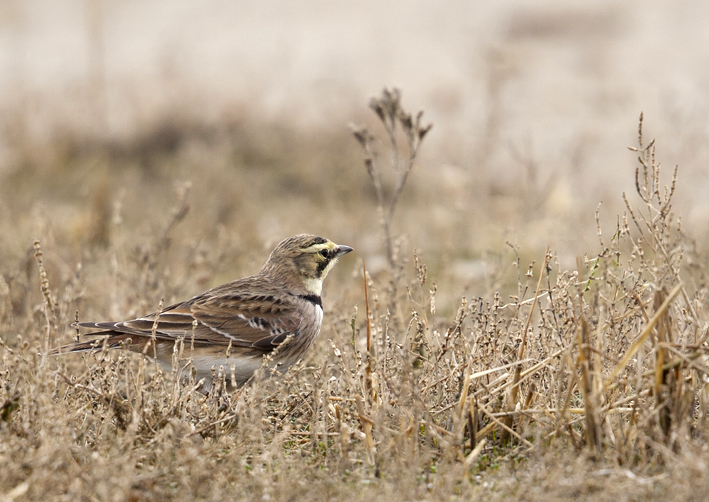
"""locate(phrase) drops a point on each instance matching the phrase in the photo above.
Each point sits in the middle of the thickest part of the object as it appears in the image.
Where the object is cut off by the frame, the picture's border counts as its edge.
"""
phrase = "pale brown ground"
(159, 150)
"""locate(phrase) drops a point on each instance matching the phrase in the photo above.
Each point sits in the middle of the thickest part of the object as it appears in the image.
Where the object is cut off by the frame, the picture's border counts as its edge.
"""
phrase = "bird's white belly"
(318, 316)
(207, 366)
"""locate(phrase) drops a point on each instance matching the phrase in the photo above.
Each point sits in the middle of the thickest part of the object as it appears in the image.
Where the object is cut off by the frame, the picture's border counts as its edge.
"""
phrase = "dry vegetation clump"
(587, 384)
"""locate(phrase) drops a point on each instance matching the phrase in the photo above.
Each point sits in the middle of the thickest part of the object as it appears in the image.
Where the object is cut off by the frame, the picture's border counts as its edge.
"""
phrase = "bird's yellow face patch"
(322, 252)
(315, 262)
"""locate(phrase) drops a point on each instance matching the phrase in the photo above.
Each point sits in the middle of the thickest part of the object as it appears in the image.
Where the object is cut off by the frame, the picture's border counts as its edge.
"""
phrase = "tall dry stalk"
(393, 117)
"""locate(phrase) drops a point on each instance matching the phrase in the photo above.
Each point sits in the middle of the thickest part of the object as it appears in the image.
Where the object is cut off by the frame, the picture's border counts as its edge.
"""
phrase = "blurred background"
(110, 110)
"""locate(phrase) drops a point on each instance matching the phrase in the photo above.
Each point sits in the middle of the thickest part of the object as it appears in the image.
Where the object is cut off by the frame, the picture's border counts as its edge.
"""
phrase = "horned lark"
(236, 324)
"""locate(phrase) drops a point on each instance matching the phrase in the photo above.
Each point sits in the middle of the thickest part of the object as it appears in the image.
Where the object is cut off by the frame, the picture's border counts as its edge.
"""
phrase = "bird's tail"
(112, 340)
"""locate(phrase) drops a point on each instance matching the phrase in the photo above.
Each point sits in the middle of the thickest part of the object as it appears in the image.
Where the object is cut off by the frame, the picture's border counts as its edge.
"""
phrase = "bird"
(276, 312)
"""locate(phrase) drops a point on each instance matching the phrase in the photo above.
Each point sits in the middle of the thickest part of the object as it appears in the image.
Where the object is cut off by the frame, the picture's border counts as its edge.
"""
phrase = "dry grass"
(539, 382)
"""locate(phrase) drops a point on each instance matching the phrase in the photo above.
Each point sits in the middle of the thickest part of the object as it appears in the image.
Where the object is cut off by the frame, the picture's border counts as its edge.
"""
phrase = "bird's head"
(304, 259)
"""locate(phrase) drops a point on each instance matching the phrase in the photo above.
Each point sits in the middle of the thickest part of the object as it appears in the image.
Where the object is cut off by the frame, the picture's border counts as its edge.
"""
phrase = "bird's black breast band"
(314, 299)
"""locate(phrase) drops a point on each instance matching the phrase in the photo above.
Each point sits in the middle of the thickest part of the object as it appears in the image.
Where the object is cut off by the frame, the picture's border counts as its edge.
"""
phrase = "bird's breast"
(310, 325)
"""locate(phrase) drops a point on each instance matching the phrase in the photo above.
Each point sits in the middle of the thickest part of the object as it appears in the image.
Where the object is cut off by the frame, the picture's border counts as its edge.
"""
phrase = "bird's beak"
(342, 250)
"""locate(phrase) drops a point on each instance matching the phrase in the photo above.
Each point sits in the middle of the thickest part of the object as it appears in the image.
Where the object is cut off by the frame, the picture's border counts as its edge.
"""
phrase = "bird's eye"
(324, 253)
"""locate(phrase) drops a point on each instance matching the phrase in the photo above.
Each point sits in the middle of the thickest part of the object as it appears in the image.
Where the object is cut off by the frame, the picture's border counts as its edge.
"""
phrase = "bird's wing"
(255, 315)
(257, 320)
